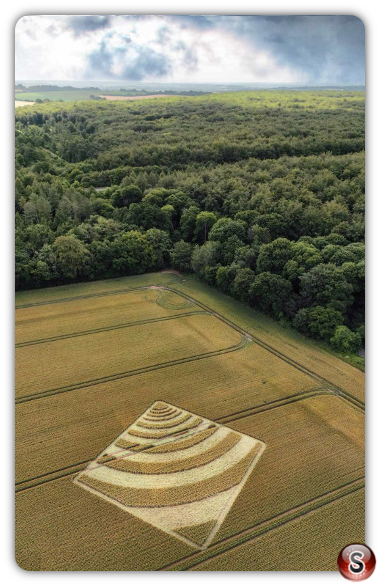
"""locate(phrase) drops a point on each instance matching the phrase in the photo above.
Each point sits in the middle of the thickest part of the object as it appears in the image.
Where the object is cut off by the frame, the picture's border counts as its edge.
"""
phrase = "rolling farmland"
(160, 425)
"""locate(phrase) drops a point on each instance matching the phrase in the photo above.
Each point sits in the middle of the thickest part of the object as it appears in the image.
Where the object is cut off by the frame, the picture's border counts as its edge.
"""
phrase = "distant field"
(19, 103)
(65, 96)
(108, 97)
(80, 94)
(92, 357)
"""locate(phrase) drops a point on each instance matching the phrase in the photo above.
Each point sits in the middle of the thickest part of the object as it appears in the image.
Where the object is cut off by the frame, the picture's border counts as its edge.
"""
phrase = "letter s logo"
(356, 566)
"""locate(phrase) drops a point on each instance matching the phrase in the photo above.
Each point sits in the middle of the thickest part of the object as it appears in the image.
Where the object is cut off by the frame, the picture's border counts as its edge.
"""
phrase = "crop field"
(19, 103)
(63, 95)
(160, 425)
(111, 97)
(76, 95)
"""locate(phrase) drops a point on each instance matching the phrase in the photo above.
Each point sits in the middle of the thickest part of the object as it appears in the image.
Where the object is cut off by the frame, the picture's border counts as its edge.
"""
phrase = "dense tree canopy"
(260, 193)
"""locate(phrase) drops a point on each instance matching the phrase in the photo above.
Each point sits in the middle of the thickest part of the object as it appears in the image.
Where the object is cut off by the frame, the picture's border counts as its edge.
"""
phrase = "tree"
(204, 256)
(37, 235)
(258, 235)
(270, 293)
(203, 224)
(181, 255)
(230, 248)
(225, 277)
(242, 283)
(72, 256)
(318, 321)
(344, 340)
(225, 228)
(125, 195)
(188, 221)
(304, 256)
(274, 256)
(132, 253)
(161, 244)
(326, 285)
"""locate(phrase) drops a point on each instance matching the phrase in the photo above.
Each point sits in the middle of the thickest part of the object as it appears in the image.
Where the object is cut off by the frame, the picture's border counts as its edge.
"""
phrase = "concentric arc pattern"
(175, 470)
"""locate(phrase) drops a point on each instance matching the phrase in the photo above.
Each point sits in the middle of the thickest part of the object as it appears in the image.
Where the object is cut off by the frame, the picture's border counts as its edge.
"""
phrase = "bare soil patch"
(19, 103)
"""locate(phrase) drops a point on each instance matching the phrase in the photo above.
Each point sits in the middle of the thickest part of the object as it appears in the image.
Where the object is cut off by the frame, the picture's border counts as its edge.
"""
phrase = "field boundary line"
(250, 533)
(107, 329)
(321, 380)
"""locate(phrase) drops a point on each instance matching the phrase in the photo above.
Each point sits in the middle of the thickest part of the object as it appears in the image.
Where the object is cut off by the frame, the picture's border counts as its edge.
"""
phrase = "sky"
(192, 49)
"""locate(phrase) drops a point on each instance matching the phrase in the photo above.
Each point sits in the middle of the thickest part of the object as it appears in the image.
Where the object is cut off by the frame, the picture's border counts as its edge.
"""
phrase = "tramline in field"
(187, 424)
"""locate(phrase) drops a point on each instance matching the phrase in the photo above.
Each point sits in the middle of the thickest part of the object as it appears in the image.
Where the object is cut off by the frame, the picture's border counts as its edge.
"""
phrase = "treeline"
(50, 88)
(185, 184)
(142, 92)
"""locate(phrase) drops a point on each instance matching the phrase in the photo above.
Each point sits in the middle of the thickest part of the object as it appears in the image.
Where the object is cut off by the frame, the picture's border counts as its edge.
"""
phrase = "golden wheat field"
(160, 425)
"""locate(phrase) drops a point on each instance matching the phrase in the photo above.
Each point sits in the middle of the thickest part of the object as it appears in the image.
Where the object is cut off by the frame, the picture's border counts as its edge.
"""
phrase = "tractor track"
(321, 380)
(129, 373)
(251, 533)
(105, 329)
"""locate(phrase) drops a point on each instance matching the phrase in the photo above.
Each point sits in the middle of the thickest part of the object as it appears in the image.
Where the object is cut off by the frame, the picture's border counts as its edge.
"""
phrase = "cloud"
(176, 48)
(131, 62)
(81, 25)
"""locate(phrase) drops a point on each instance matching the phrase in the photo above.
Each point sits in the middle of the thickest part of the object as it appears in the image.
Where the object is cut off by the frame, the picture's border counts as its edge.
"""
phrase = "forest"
(259, 193)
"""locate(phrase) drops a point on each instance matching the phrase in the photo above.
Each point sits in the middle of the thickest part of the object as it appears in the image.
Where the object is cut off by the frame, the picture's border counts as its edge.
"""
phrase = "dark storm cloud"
(323, 48)
(147, 64)
(81, 25)
(320, 49)
(142, 62)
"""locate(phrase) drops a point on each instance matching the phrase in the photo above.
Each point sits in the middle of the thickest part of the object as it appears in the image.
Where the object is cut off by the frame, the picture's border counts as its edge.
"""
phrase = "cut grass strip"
(162, 413)
(126, 465)
(158, 435)
(159, 418)
(122, 443)
(164, 425)
(182, 444)
(197, 533)
(162, 497)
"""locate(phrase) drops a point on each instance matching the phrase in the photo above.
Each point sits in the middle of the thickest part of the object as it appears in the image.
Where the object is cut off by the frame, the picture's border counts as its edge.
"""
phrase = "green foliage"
(132, 253)
(72, 256)
(274, 256)
(203, 224)
(242, 284)
(225, 277)
(181, 255)
(326, 285)
(270, 293)
(125, 195)
(205, 256)
(225, 228)
(319, 322)
(344, 340)
(260, 193)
